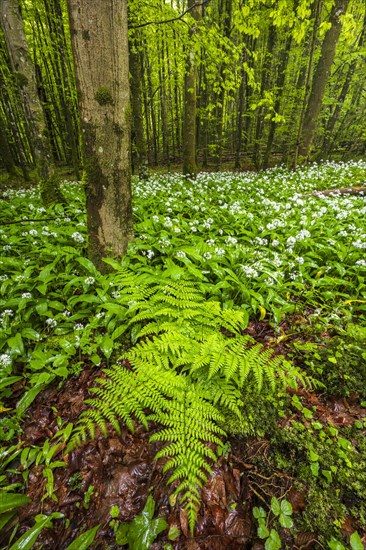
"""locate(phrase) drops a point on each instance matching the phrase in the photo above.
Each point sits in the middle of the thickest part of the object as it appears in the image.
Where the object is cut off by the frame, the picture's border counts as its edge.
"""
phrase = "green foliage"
(341, 364)
(324, 459)
(85, 540)
(280, 511)
(187, 373)
(29, 538)
(103, 96)
(195, 280)
(143, 530)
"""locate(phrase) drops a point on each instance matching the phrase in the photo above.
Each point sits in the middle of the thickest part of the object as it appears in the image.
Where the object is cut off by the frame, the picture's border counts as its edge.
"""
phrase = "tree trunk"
(329, 130)
(137, 112)
(265, 80)
(285, 54)
(321, 77)
(190, 99)
(6, 155)
(306, 75)
(100, 46)
(241, 108)
(12, 24)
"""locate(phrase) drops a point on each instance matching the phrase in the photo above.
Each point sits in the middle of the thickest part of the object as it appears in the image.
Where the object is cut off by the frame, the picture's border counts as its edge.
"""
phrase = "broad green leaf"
(28, 398)
(9, 381)
(286, 521)
(273, 542)
(88, 265)
(16, 344)
(286, 507)
(83, 541)
(27, 540)
(262, 531)
(275, 506)
(106, 345)
(143, 530)
(9, 501)
(6, 517)
(334, 544)
(259, 512)
(174, 532)
(119, 331)
(30, 334)
(356, 542)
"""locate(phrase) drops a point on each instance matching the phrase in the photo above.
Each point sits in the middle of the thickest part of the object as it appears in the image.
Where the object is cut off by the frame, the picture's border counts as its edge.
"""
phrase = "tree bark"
(13, 27)
(190, 100)
(141, 164)
(100, 47)
(329, 130)
(306, 75)
(321, 77)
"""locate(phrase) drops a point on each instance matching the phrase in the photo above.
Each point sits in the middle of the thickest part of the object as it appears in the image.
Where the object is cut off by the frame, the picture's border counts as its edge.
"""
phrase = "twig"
(342, 191)
(178, 18)
(30, 220)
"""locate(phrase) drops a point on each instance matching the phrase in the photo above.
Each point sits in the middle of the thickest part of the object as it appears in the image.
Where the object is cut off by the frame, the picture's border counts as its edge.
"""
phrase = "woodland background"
(276, 82)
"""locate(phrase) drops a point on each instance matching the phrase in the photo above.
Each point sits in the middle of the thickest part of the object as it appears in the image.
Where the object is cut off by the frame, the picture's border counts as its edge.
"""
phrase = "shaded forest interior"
(221, 82)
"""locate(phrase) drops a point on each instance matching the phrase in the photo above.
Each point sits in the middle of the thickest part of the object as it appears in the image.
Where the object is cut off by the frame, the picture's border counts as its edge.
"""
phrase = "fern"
(185, 375)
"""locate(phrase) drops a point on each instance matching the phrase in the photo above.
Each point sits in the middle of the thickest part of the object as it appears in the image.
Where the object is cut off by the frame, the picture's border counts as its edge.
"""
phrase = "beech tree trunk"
(329, 130)
(321, 77)
(140, 161)
(22, 66)
(100, 47)
(190, 101)
(305, 77)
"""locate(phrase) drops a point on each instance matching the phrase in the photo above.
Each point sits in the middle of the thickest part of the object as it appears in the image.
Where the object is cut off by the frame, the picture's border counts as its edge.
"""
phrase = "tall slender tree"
(190, 96)
(13, 27)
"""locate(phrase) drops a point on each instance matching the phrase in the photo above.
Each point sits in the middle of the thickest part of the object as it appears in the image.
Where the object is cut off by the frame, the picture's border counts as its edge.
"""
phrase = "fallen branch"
(342, 191)
(29, 220)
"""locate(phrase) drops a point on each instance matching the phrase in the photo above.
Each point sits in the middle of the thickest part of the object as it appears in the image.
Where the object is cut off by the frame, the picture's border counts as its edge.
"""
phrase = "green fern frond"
(185, 373)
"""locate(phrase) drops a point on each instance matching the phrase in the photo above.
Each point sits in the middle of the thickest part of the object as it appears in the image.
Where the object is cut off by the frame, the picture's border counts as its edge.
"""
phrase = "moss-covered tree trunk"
(100, 47)
(22, 66)
(141, 163)
(321, 77)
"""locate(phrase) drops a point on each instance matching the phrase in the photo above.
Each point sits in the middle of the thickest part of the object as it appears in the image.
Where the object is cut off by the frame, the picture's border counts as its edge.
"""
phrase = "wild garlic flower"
(78, 237)
(5, 360)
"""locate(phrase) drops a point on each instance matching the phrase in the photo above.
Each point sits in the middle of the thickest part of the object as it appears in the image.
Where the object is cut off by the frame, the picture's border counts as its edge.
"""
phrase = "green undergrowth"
(211, 258)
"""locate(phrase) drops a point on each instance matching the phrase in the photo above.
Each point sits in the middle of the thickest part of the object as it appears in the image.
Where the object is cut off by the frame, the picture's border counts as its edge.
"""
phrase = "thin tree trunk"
(190, 99)
(137, 114)
(6, 155)
(307, 74)
(280, 88)
(241, 109)
(152, 109)
(265, 77)
(12, 24)
(329, 130)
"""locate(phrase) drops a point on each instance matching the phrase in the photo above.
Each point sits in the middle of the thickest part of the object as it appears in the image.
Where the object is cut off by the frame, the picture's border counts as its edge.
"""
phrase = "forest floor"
(276, 259)
(120, 470)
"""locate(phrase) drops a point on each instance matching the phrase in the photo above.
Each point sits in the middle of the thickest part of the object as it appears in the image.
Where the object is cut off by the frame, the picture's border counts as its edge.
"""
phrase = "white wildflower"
(78, 237)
